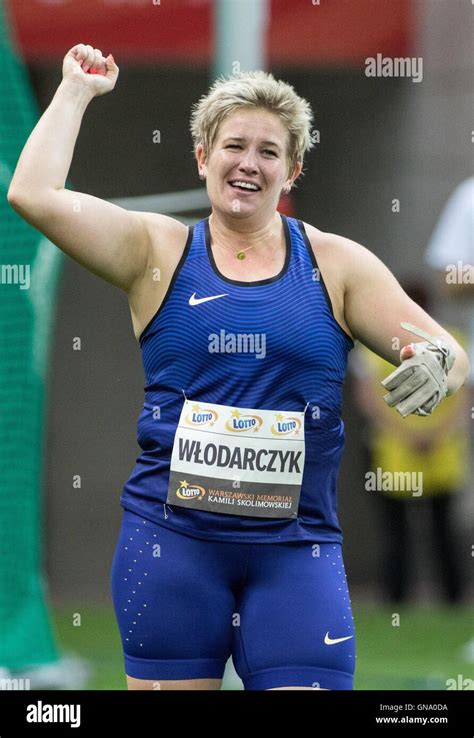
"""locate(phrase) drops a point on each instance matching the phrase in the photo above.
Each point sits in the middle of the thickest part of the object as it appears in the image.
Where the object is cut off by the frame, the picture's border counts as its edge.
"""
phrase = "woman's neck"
(241, 234)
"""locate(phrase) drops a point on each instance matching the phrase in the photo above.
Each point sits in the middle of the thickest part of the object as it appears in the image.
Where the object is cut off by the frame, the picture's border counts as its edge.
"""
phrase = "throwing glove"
(420, 383)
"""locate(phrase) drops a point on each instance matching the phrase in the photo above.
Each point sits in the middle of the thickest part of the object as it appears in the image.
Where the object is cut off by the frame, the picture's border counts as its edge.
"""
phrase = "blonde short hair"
(253, 90)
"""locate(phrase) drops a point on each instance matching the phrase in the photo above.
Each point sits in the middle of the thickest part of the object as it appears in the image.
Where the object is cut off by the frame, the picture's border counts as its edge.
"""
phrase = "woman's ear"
(295, 173)
(201, 160)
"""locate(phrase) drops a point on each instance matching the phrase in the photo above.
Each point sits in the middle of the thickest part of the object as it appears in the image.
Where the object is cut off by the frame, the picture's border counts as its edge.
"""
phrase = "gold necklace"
(241, 253)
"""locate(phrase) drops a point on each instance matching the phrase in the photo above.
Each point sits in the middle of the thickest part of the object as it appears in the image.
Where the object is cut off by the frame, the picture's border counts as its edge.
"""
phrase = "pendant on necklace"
(241, 255)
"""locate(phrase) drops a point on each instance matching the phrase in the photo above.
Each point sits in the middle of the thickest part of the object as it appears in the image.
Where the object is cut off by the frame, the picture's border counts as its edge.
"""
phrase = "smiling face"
(247, 167)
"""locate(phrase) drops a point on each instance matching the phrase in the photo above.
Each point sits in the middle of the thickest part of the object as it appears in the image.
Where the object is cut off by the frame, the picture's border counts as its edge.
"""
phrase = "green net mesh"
(29, 271)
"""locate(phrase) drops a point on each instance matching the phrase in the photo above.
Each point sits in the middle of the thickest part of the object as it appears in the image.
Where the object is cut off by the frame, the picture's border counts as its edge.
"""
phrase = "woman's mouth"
(244, 186)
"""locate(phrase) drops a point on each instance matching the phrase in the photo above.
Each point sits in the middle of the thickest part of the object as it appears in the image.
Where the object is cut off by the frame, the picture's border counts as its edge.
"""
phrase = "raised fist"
(86, 67)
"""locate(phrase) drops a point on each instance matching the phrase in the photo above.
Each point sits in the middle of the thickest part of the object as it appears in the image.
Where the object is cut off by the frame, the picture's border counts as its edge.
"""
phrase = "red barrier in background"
(301, 32)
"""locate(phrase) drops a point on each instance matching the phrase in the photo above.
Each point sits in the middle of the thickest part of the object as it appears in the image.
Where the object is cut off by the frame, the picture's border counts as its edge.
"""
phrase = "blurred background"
(392, 169)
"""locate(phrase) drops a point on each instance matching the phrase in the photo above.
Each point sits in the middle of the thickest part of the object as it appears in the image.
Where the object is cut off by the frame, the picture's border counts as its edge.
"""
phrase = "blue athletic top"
(304, 367)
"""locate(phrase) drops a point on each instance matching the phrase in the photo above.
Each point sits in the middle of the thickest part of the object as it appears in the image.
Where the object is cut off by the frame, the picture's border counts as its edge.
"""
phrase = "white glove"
(420, 383)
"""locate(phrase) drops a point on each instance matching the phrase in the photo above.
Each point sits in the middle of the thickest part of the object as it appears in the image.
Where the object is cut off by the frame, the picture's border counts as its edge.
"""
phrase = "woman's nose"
(248, 161)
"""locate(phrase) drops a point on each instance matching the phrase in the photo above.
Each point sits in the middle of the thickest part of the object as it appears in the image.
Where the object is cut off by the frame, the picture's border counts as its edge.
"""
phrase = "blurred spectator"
(452, 242)
(451, 252)
(435, 446)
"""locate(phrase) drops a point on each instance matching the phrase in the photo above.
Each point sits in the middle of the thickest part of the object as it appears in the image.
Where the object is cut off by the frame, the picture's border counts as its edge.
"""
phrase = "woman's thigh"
(295, 619)
(173, 602)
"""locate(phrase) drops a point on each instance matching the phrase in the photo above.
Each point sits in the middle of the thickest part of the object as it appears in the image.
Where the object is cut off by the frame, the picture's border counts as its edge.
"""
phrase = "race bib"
(237, 461)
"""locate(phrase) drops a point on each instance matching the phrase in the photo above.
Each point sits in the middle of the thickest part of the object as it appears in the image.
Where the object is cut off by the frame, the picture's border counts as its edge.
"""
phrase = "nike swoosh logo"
(331, 641)
(193, 300)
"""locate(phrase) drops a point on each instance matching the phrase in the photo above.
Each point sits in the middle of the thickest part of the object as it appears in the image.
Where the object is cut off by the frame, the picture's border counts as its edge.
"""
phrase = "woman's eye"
(269, 152)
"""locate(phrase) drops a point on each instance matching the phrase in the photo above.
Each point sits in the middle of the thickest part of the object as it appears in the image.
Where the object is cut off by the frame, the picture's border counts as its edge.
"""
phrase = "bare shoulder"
(167, 239)
(166, 242)
(334, 255)
(165, 234)
(337, 253)
(159, 222)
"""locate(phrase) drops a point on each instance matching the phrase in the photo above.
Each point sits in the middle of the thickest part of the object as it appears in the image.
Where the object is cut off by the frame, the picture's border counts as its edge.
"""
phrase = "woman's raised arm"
(110, 241)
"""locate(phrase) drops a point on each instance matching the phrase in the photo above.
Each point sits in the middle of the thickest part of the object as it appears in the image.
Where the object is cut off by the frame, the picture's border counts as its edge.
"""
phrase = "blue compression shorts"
(185, 605)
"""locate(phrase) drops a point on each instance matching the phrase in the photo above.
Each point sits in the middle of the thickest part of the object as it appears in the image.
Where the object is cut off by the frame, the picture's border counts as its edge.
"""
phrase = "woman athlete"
(230, 542)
